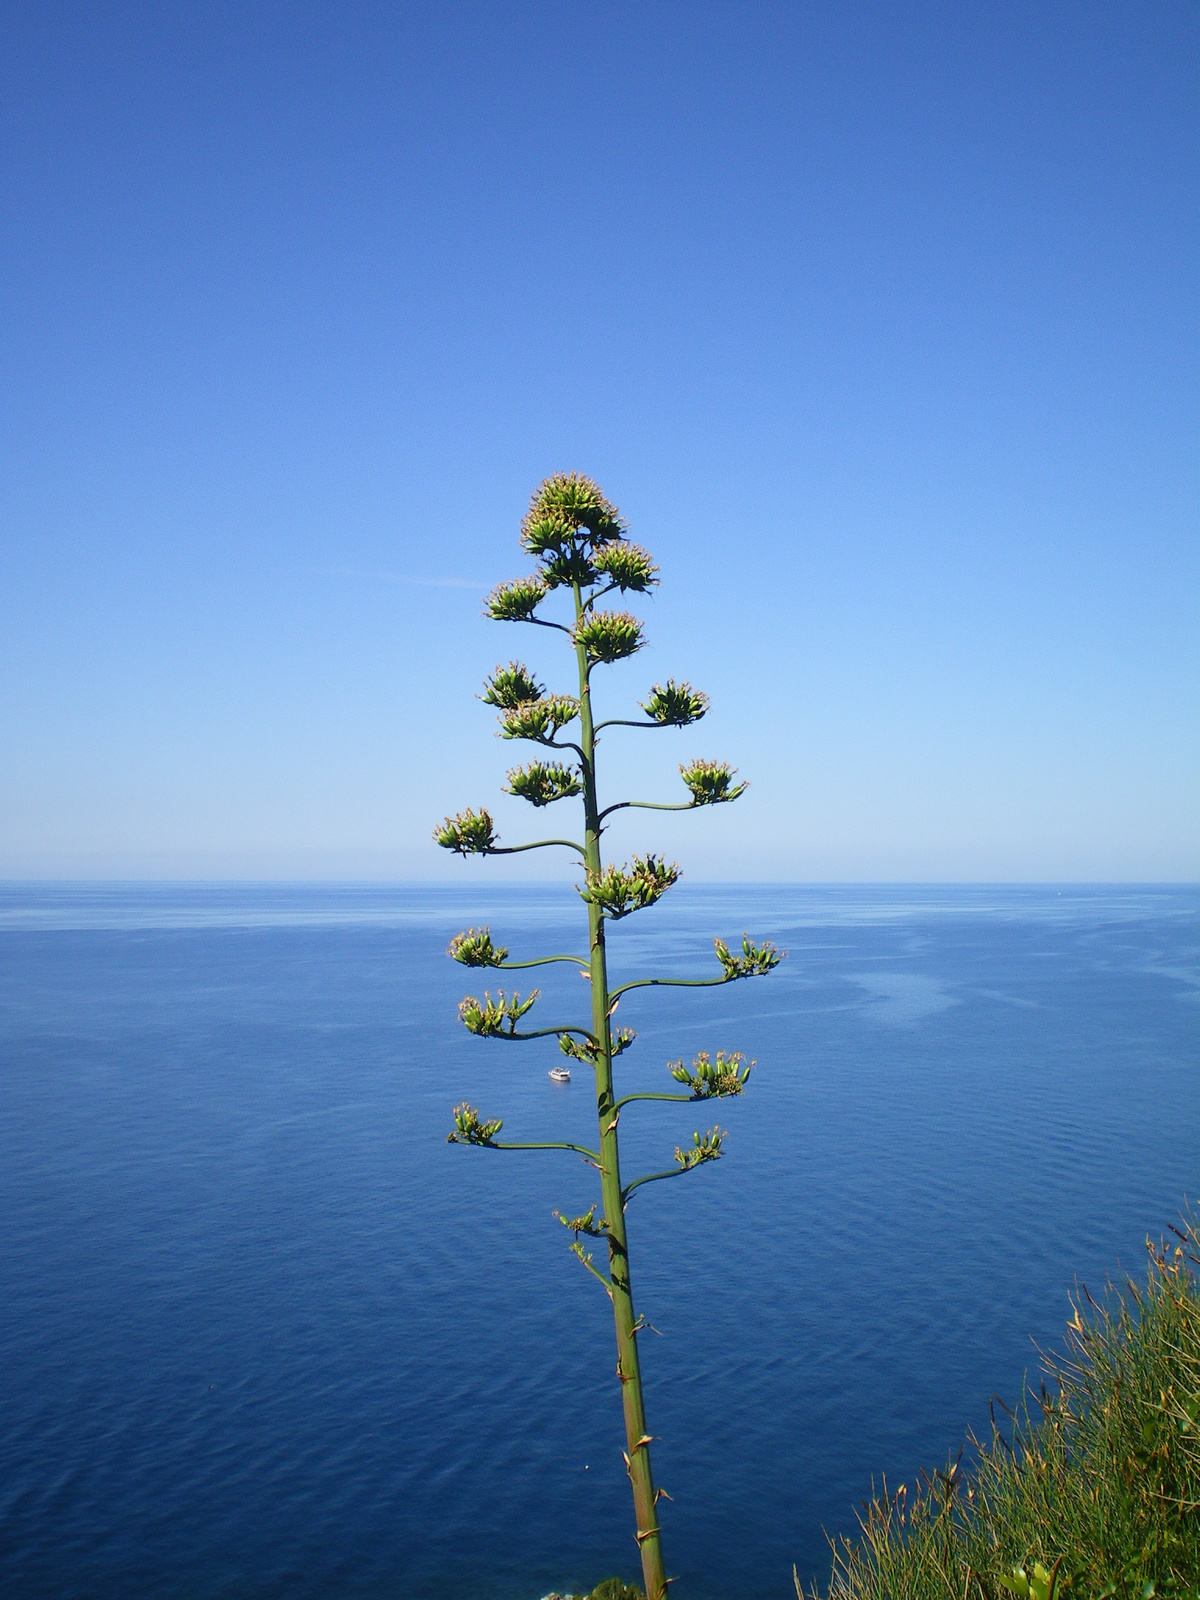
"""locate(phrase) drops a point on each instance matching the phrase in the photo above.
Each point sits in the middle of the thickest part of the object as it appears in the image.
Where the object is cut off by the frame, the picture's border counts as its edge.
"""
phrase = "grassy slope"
(1096, 1494)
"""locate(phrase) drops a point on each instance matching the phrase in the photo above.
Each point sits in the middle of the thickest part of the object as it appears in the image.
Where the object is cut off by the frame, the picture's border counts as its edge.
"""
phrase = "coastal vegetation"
(582, 553)
(1089, 1491)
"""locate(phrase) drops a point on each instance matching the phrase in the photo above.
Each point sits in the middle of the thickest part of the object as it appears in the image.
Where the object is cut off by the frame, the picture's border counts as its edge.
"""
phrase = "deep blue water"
(264, 1333)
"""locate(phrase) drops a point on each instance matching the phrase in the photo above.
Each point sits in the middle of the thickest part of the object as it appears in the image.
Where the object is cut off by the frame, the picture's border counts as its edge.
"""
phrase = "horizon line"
(550, 883)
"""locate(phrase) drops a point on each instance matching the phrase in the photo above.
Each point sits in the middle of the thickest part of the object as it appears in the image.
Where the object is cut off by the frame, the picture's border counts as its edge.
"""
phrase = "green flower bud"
(488, 1017)
(569, 508)
(467, 834)
(710, 782)
(627, 566)
(474, 948)
(541, 783)
(755, 961)
(675, 705)
(539, 719)
(468, 1129)
(713, 1080)
(515, 601)
(609, 635)
(621, 890)
(511, 686)
(701, 1150)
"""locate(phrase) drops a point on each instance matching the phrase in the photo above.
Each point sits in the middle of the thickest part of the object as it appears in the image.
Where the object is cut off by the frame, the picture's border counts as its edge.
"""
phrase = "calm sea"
(264, 1333)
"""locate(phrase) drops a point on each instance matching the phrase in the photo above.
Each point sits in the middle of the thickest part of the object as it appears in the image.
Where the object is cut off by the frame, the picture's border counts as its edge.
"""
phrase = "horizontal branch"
(645, 805)
(622, 722)
(688, 1099)
(542, 961)
(551, 744)
(599, 595)
(671, 983)
(652, 1177)
(540, 622)
(542, 1033)
(579, 1149)
(538, 844)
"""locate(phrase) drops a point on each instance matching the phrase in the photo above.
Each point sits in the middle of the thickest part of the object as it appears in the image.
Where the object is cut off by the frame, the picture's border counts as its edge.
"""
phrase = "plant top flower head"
(579, 539)
(568, 509)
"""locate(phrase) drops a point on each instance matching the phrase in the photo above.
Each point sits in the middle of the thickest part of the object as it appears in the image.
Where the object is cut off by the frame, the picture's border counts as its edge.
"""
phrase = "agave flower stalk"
(579, 539)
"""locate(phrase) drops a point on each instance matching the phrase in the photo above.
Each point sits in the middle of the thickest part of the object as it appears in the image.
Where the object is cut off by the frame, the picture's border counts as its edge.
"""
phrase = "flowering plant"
(579, 540)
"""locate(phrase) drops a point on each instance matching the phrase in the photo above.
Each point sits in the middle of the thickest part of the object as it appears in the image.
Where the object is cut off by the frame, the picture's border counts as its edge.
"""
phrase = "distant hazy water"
(264, 1333)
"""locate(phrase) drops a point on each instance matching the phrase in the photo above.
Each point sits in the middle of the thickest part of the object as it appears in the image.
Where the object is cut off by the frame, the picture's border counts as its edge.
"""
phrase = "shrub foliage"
(1091, 1491)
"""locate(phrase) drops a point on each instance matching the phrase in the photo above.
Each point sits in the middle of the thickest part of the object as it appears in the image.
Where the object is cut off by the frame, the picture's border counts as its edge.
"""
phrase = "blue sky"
(878, 321)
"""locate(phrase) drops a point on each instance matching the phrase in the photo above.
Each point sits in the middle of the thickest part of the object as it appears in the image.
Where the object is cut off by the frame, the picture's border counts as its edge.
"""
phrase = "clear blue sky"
(878, 321)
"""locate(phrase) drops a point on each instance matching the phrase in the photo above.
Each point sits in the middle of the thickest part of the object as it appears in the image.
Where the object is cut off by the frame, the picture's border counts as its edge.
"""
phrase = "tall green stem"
(629, 1370)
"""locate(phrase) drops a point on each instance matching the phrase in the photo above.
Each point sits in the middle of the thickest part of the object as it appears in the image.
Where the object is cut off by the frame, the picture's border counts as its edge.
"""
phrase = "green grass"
(1091, 1490)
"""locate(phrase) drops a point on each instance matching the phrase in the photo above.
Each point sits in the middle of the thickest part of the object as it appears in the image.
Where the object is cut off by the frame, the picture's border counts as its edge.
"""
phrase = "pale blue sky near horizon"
(880, 322)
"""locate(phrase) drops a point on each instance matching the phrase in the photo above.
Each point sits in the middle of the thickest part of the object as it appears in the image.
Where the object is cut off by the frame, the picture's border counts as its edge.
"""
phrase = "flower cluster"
(511, 686)
(626, 566)
(584, 1224)
(609, 635)
(713, 1080)
(469, 833)
(568, 509)
(539, 719)
(587, 1050)
(515, 601)
(543, 782)
(578, 537)
(675, 705)
(488, 1017)
(474, 948)
(569, 566)
(710, 782)
(754, 962)
(701, 1150)
(469, 1130)
(620, 890)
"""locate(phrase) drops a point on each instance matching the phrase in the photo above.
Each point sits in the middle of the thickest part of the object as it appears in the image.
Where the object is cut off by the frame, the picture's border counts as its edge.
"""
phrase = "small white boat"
(560, 1075)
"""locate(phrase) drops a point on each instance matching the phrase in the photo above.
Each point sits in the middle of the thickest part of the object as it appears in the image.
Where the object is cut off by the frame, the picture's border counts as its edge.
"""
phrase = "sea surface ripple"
(264, 1333)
